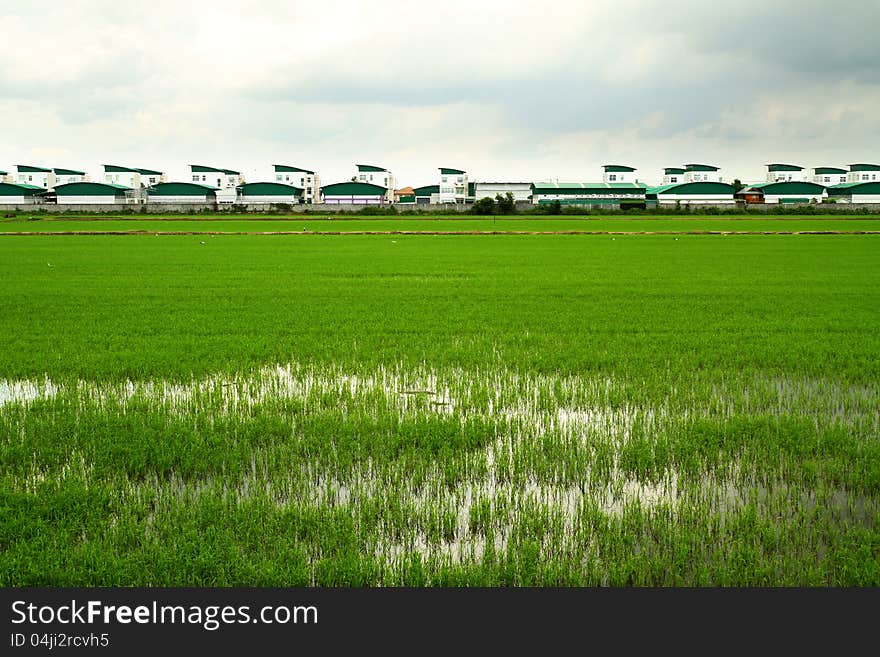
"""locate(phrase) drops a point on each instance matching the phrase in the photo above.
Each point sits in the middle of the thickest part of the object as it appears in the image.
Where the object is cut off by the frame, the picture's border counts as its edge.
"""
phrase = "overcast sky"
(506, 90)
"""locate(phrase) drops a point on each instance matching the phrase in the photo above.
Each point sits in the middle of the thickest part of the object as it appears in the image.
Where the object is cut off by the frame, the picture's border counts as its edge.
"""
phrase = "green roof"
(671, 171)
(353, 189)
(3, 173)
(784, 167)
(199, 168)
(700, 167)
(869, 187)
(283, 168)
(427, 190)
(269, 189)
(26, 168)
(112, 168)
(693, 188)
(68, 172)
(821, 170)
(369, 167)
(864, 167)
(90, 189)
(180, 189)
(452, 172)
(19, 189)
(788, 187)
(616, 168)
(407, 198)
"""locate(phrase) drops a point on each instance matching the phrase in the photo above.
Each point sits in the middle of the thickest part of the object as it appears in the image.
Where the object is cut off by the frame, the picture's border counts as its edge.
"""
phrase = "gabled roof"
(283, 168)
(149, 172)
(369, 167)
(451, 172)
(824, 170)
(617, 168)
(68, 172)
(26, 168)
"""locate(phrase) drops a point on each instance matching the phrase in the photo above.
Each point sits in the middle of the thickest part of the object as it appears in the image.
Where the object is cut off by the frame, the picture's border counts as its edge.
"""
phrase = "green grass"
(440, 410)
(444, 224)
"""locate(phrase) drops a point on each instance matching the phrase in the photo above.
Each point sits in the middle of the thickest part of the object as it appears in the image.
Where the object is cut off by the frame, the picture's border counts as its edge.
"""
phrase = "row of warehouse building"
(690, 184)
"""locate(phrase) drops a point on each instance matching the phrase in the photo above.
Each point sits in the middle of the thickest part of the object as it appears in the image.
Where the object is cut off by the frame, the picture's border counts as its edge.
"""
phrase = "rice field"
(440, 410)
(267, 223)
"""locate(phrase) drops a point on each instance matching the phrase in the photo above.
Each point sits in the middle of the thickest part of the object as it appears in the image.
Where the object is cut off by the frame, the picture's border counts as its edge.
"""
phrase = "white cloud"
(501, 88)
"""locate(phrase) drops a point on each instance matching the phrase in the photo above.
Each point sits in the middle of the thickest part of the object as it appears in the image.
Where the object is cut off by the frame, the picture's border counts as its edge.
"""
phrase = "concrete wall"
(191, 208)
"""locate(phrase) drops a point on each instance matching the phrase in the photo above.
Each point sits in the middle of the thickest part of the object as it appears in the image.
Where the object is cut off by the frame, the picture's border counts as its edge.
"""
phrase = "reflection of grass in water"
(315, 475)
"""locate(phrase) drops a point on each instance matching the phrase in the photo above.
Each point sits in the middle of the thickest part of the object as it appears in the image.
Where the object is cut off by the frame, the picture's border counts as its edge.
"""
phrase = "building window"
(674, 179)
(864, 176)
(612, 177)
(827, 178)
(363, 176)
(461, 179)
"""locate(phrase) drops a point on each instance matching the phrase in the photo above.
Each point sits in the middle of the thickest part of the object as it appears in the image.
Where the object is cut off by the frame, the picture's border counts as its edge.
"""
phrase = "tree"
(737, 185)
(484, 205)
(554, 208)
(506, 204)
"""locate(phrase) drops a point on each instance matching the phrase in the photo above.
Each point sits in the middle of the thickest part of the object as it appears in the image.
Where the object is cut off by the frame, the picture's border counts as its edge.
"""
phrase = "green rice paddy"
(424, 410)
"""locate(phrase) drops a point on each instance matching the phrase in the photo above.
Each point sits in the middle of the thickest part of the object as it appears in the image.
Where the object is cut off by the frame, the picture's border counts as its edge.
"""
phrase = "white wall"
(180, 199)
(786, 176)
(863, 176)
(703, 176)
(695, 199)
(308, 182)
(45, 179)
(61, 179)
(287, 198)
(91, 200)
(829, 178)
(620, 176)
(673, 178)
(778, 198)
(130, 179)
(356, 200)
(17, 200)
(216, 179)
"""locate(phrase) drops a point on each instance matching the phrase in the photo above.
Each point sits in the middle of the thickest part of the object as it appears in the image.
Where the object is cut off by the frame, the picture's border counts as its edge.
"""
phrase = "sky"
(513, 91)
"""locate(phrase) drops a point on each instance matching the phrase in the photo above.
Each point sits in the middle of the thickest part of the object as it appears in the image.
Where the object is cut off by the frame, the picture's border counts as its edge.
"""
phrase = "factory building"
(522, 191)
(268, 193)
(377, 176)
(453, 186)
(132, 177)
(92, 193)
(307, 181)
(829, 176)
(861, 173)
(785, 173)
(795, 191)
(599, 194)
(691, 193)
(181, 192)
(19, 193)
(355, 193)
(67, 176)
(37, 176)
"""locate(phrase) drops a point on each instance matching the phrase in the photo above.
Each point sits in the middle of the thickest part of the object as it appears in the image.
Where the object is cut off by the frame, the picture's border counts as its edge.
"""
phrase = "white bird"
(49, 264)
(201, 242)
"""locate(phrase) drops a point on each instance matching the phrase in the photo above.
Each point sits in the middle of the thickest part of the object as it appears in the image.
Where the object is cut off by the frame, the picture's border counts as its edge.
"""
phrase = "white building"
(37, 176)
(618, 173)
(829, 175)
(372, 175)
(306, 180)
(453, 186)
(19, 193)
(131, 176)
(784, 191)
(691, 193)
(269, 193)
(522, 191)
(862, 173)
(5, 177)
(67, 176)
(701, 173)
(785, 173)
